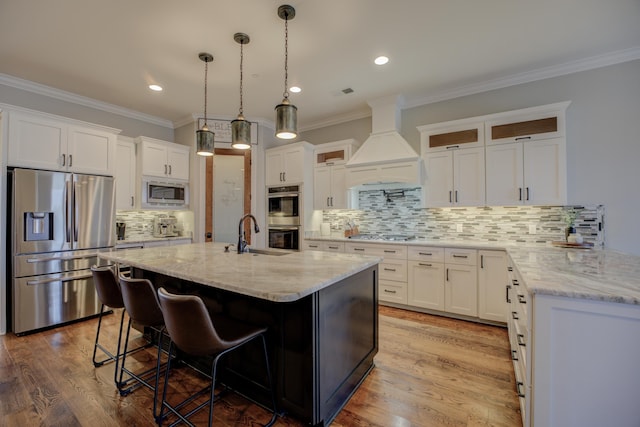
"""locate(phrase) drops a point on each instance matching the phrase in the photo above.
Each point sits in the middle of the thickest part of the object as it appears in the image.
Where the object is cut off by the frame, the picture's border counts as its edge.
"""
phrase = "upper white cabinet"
(329, 177)
(163, 159)
(526, 157)
(125, 174)
(286, 165)
(49, 142)
(455, 178)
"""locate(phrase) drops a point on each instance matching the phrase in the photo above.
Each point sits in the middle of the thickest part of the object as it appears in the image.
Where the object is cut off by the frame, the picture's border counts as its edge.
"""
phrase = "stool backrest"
(189, 324)
(107, 288)
(141, 301)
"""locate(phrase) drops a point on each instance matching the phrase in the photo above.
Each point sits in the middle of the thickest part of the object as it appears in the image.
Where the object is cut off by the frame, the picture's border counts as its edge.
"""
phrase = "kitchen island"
(321, 310)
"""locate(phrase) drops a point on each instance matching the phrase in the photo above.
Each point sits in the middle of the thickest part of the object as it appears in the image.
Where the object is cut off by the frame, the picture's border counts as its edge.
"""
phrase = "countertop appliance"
(164, 227)
(283, 213)
(60, 222)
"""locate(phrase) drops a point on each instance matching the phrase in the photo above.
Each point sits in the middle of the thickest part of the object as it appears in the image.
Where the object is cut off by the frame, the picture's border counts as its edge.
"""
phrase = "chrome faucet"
(242, 242)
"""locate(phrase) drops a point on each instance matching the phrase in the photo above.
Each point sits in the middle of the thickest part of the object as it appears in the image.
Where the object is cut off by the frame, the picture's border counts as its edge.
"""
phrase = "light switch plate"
(459, 228)
(532, 229)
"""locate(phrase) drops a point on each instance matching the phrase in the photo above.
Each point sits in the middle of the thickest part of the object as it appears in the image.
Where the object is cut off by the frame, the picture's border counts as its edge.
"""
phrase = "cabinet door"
(439, 182)
(178, 161)
(545, 172)
(125, 175)
(460, 289)
(504, 173)
(492, 283)
(274, 167)
(294, 165)
(339, 199)
(36, 142)
(322, 188)
(468, 177)
(426, 285)
(91, 151)
(154, 159)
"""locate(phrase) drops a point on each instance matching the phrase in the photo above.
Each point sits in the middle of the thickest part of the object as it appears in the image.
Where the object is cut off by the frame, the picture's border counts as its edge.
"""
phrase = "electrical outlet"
(459, 228)
(532, 229)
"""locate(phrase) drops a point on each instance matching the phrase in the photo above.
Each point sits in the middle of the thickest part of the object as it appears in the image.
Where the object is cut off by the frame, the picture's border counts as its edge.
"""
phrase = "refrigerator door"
(94, 211)
(41, 218)
(42, 301)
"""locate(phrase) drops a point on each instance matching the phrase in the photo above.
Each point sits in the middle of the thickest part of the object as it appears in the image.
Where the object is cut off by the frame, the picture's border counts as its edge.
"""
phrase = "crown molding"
(62, 95)
(336, 120)
(590, 63)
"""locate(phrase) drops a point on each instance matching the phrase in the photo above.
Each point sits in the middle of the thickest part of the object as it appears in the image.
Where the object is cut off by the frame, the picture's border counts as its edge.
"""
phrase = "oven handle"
(272, 195)
(59, 279)
(284, 228)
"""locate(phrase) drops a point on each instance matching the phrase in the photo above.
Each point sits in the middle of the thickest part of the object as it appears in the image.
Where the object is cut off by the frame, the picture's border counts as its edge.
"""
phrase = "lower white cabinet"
(326, 246)
(492, 282)
(461, 282)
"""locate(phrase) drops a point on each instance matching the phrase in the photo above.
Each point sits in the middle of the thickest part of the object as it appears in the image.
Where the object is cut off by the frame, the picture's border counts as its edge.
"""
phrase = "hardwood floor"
(430, 371)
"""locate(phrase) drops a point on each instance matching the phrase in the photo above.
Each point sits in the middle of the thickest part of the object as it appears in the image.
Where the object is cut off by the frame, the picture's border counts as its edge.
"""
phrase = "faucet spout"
(242, 243)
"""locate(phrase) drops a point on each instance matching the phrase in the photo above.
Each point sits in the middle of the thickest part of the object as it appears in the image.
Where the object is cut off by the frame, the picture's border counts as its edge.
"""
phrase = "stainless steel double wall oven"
(284, 210)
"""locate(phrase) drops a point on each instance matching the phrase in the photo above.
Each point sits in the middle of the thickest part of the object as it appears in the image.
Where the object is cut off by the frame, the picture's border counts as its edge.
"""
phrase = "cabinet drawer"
(426, 253)
(392, 291)
(312, 245)
(385, 251)
(460, 256)
(333, 246)
(392, 269)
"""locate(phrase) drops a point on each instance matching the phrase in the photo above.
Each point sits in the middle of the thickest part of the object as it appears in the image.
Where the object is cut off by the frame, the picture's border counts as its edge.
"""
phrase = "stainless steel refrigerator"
(59, 223)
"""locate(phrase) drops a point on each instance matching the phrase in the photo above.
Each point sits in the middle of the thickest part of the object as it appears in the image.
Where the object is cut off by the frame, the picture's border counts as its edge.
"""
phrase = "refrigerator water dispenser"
(38, 226)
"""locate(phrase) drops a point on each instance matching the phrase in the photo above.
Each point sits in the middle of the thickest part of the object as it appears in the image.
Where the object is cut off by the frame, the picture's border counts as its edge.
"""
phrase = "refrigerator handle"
(67, 220)
(76, 213)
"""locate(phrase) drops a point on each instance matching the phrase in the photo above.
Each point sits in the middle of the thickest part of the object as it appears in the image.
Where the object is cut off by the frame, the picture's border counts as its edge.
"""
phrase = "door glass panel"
(228, 197)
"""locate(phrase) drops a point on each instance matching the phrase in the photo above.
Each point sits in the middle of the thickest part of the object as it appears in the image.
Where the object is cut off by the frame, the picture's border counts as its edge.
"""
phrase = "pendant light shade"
(240, 127)
(205, 137)
(286, 113)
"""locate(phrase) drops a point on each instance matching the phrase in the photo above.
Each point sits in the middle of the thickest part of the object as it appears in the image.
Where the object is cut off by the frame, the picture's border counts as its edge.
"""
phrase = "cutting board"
(561, 244)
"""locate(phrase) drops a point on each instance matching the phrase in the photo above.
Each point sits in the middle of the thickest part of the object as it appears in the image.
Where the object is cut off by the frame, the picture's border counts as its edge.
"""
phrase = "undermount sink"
(275, 252)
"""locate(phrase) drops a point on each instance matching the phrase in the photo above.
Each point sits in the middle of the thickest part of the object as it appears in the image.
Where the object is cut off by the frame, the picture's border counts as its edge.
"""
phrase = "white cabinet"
(48, 142)
(163, 159)
(330, 175)
(465, 133)
(326, 246)
(125, 174)
(530, 173)
(461, 282)
(455, 177)
(392, 271)
(286, 165)
(529, 124)
(492, 283)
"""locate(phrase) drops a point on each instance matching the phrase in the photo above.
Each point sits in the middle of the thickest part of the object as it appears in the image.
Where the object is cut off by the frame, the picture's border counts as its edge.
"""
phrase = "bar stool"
(141, 302)
(108, 290)
(193, 331)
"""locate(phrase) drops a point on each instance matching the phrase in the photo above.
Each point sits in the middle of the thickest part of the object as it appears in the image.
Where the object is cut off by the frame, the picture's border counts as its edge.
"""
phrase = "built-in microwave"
(164, 194)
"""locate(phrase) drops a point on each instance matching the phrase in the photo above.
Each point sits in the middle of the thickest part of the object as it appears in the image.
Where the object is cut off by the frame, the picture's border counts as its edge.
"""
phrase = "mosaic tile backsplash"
(140, 222)
(398, 212)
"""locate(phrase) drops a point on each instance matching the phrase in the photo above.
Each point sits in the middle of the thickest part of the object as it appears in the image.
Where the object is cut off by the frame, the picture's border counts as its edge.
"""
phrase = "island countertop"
(278, 278)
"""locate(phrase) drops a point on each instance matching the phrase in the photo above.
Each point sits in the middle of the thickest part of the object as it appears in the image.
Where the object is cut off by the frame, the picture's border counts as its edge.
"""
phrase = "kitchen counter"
(595, 274)
(279, 278)
(142, 240)
(321, 311)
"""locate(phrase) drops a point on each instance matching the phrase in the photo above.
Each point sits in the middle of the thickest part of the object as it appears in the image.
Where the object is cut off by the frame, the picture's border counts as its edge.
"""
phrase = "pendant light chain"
(286, 57)
(206, 69)
(241, 77)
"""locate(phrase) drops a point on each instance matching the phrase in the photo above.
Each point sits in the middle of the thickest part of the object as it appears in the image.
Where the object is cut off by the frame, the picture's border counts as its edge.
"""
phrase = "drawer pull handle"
(333, 247)
(522, 299)
(514, 354)
(313, 246)
(425, 253)
(425, 265)
(521, 340)
(389, 252)
(389, 291)
(359, 249)
(514, 315)
(389, 269)
(508, 299)
(509, 268)
(515, 282)
(460, 256)
(519, 384)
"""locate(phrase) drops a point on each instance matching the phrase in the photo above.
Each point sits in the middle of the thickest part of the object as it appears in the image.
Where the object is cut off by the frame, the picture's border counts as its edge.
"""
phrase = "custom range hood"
(385, 157)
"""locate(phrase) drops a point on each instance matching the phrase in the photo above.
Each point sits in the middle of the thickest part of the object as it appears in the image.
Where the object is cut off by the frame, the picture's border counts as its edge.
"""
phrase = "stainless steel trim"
(65, 279)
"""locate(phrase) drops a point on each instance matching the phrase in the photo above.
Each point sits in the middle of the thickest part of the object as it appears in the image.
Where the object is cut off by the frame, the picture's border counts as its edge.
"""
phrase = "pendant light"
(241, 128)
(204, 137)
(286, 113)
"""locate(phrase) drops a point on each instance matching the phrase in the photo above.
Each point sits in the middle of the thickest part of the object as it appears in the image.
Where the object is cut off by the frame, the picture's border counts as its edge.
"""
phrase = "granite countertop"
(282, 278)
(596, 274)
(130, 241)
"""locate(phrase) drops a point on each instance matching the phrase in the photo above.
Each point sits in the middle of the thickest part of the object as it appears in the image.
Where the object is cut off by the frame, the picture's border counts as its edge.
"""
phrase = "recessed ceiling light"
(155, 88)
(295, 89)
(381, 60)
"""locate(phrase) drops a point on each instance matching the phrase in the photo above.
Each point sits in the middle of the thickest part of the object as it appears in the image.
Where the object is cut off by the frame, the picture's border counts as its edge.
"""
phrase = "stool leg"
(120, 383)
(273, 393)
(158, 370)
(95, 345)
(166, 384)
(214, 368)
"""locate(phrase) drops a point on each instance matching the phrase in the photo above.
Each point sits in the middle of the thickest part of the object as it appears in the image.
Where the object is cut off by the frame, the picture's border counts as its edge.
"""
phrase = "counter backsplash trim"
(378, 214)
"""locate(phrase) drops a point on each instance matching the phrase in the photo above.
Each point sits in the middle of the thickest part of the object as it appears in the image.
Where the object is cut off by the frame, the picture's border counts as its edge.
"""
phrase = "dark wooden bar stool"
(197, 333)
(108, 290)
(141, 302)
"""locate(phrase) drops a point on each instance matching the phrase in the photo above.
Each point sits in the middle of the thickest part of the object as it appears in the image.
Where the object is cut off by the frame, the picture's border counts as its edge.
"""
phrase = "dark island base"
(321, 347)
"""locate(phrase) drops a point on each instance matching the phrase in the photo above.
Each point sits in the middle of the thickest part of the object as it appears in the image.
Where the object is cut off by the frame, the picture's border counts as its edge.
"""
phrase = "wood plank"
(430, 371)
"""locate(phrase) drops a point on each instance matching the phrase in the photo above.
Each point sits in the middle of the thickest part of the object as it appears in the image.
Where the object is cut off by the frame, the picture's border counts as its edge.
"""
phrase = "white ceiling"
(110, 50)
